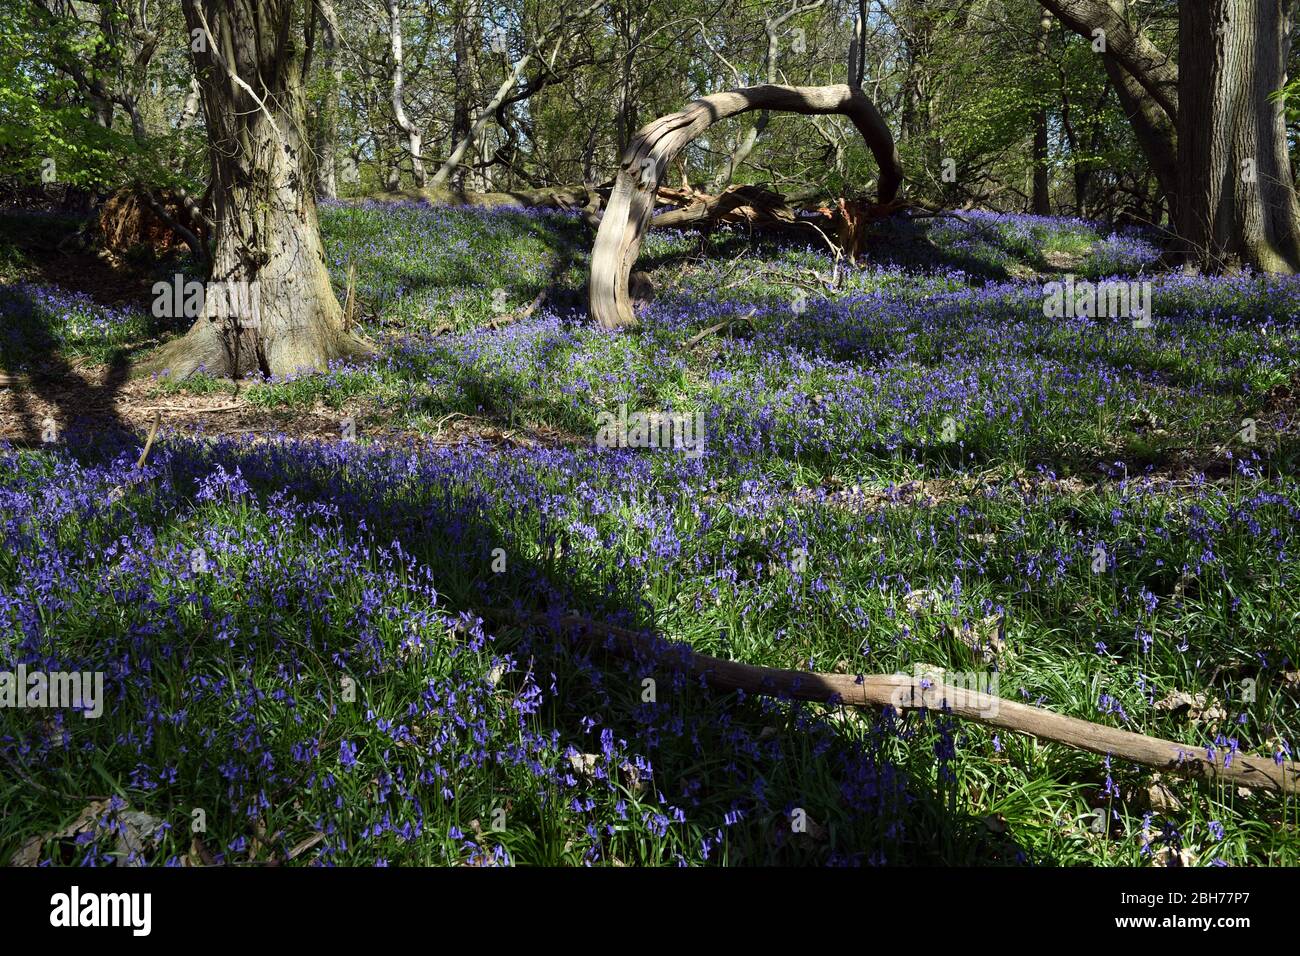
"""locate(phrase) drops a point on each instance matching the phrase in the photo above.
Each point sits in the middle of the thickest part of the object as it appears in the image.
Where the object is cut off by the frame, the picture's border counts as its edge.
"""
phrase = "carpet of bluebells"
(362, 652)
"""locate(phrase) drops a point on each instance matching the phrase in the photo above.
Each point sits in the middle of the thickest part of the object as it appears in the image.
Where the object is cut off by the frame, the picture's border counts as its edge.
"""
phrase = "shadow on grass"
(38, 372)
(713, 754)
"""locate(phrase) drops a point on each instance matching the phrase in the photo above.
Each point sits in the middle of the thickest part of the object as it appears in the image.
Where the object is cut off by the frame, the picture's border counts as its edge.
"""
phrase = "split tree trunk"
(251, 77)
(1236, 188)
(414, 139)
(651, 152)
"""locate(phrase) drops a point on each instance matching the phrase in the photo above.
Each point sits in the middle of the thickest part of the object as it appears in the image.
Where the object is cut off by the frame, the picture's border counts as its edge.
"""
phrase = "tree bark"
(251, 78)
(906, 693)
(1237, 193)
(393, 171)
(652, 151)
(465, 77)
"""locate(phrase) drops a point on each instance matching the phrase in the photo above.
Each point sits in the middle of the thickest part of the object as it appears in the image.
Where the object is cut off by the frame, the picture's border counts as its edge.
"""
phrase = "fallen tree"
(632, 202)
(904, 693)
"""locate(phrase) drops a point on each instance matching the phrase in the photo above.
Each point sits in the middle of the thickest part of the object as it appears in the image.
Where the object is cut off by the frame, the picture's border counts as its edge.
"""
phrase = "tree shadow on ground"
(47, 394)
(712, 753)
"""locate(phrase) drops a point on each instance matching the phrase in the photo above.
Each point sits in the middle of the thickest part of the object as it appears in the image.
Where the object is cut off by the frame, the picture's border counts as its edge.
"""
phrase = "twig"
(700, 336)
(519, 314)
(148, 442)
(188, 408)
(63, 794)
(303, 847)
(822, 282)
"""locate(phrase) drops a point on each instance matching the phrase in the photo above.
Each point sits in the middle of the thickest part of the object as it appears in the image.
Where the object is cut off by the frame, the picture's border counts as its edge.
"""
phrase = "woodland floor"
(830, 524)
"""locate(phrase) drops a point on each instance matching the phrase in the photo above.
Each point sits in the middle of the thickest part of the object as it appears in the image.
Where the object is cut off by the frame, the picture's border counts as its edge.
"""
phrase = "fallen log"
(738, 204)
(631, 203)
(905, 693)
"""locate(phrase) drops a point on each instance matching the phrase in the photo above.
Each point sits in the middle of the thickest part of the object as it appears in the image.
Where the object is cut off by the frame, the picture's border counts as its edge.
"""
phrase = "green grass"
(829, 501)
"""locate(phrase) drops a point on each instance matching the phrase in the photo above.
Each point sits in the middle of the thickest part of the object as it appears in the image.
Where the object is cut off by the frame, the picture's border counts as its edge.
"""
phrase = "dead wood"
(133, 218)
(631, 203)
(906, 693)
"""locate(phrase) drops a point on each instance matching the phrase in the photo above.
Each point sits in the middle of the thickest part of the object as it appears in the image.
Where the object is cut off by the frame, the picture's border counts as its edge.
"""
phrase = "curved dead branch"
(631, 204)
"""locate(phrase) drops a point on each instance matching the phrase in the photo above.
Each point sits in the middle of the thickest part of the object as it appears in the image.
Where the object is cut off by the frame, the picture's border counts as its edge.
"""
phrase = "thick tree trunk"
(1237, 193)
(267, 239)
(652, 151)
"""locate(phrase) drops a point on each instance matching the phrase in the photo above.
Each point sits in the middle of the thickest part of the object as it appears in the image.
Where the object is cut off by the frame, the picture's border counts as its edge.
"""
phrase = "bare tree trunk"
(465, 77)
(1237, 194)
(251, 76)
(413, 137)
(466, 142)
(625, 116)
(631, 204)
(1081, 153)
(393, 171)
(1042, 200)
(327, 126)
